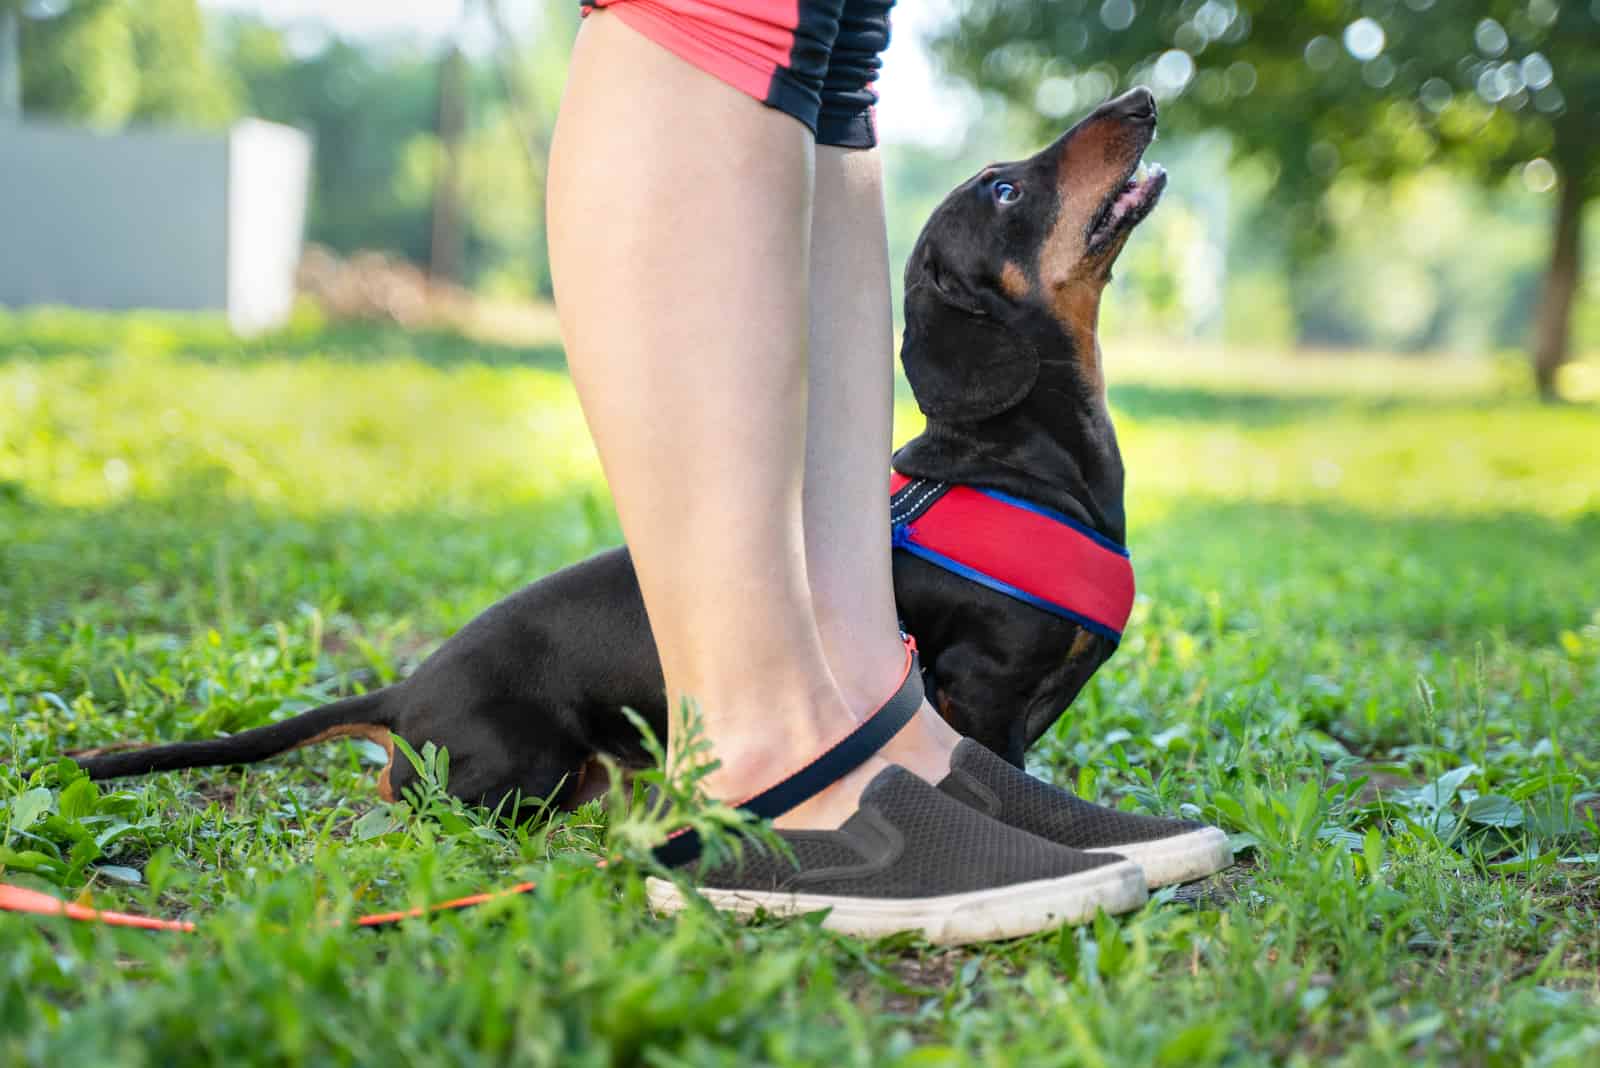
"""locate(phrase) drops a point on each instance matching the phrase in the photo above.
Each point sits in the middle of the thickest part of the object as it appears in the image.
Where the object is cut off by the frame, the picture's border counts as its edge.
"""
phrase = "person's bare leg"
(848, 435)
(680, 213)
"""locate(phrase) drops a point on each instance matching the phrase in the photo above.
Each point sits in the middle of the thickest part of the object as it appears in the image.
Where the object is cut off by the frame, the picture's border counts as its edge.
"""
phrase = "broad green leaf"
(25, 810)
(30, 860)
(78, 800)
(1441, 791)
(1198, 1044)
(1494, 810)
(374, 824)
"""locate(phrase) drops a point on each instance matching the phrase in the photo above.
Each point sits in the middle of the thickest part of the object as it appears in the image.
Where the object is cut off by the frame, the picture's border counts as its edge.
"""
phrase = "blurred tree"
(373, 110)
(370, 113)
(106, 62)
(10, 60)
(1363, 89)
(447, 239)
(177, 77)
(78, 64)
(532, 69)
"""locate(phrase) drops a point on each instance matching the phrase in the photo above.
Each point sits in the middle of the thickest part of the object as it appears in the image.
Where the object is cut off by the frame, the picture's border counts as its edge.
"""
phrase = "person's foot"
(1169, 850)
(926, 745)
(913, 859)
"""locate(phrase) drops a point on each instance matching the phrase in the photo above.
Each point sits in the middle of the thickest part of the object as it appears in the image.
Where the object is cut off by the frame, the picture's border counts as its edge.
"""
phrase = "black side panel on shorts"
(797, 88)
(845, 118)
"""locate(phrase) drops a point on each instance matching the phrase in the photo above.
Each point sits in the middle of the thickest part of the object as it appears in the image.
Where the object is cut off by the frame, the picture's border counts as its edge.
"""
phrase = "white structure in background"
(149, 218)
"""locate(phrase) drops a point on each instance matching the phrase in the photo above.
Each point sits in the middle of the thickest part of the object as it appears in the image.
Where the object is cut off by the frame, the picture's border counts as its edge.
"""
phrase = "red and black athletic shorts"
(813, 59)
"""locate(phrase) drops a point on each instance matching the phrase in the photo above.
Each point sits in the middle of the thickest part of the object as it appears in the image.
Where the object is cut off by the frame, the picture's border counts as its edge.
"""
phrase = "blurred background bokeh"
(1403, 176)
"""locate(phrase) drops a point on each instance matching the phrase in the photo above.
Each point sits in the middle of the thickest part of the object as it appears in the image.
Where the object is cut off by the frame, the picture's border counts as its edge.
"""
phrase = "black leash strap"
(848, 754)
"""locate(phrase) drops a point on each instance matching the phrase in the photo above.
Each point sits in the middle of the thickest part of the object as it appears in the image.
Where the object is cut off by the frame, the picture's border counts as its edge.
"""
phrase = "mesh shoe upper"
(906, 840)
(1010, 795)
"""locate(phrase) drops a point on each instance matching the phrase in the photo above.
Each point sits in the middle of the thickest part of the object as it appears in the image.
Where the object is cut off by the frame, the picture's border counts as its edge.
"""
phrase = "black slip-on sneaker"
(914, 859)
(1169, 851)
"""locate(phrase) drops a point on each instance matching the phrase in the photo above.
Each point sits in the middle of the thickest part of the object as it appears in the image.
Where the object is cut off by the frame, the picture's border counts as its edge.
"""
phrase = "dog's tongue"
(1135, 192)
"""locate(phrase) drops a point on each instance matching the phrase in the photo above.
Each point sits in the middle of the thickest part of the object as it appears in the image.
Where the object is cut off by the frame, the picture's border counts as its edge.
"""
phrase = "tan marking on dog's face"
(1093, 161)
(1080, 645)
(1077, 309)
(1013, 281)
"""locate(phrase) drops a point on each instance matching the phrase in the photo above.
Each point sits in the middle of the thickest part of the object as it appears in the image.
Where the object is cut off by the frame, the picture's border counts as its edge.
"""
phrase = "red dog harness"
(1023, 550)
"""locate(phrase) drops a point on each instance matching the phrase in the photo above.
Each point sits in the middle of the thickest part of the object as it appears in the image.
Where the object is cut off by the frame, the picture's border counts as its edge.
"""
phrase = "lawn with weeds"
(1367, 644)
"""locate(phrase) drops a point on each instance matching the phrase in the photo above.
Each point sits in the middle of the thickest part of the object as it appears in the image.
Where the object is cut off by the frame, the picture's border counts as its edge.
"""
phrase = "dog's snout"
(1136, 105)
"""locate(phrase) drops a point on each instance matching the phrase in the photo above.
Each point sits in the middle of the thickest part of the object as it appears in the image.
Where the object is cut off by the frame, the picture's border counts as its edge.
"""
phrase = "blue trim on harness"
(902, 540)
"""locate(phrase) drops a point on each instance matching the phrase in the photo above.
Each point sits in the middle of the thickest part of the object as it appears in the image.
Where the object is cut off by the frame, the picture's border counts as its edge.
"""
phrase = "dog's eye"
(1006, 193)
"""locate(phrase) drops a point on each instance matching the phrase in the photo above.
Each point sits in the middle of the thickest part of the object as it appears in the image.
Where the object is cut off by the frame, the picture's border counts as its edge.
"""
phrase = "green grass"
(1367, 643)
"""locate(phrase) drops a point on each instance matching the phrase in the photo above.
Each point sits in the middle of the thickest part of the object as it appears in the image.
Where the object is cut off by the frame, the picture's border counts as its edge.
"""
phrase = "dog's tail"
(361, 716)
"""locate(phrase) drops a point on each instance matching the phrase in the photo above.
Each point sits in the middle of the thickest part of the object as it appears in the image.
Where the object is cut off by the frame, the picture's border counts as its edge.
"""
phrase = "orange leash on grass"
(17, 899)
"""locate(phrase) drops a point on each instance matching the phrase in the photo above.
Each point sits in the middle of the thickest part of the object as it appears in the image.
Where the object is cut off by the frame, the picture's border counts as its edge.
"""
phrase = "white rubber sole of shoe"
(950, 919)
(1182, 858)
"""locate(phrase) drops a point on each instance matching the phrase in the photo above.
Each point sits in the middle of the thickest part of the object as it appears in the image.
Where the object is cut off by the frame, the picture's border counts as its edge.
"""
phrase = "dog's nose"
(1136, 105)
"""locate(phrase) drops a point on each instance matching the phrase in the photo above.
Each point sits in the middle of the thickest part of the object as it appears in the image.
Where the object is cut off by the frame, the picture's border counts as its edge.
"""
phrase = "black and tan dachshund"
(1002, 299)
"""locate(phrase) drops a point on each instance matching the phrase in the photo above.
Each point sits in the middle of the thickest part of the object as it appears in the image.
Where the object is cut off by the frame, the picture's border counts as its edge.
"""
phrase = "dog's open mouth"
(1128, 206)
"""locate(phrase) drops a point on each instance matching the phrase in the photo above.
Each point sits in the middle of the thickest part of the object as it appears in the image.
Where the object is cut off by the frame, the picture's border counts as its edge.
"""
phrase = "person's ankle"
(751, 757)
(869, 675)
(925, 745)
(746, 770)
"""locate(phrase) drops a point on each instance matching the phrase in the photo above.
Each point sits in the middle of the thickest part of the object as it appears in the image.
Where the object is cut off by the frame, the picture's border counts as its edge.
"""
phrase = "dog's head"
(1010, 268)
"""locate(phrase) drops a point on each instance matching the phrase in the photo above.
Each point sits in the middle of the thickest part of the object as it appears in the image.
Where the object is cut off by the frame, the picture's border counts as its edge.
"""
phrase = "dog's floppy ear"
(962, 364)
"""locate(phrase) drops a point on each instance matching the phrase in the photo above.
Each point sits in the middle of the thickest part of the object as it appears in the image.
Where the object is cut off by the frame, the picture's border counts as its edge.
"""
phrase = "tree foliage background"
(109, 62)
(1333, 92)
(1404, 174)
